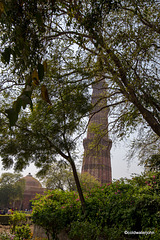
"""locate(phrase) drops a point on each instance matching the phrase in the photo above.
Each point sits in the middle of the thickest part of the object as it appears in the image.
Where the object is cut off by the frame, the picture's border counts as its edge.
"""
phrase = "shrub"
(84, 230)
(19, 228)
(124, 205)
(23, 232)
(55, 210)
(16, 219)
(88, 182)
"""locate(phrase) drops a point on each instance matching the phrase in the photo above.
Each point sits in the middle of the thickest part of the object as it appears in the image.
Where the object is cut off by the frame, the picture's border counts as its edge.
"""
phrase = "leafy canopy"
(83, 42)
(11, 188)
(123, 35)
(110, 210)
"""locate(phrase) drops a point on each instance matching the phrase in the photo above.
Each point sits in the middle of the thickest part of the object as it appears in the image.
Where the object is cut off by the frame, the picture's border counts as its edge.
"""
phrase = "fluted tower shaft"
(97, 145)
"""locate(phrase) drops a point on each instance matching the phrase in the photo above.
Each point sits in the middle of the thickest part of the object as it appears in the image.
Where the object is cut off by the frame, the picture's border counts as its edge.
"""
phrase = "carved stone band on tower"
(97, 145)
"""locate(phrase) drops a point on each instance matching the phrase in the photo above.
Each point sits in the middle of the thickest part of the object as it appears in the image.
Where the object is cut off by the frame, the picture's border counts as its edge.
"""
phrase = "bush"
(84, 230)
(17, 219)
(124, 205)
(19, 227)
(55, 210)
(88, 182)
(23, 232)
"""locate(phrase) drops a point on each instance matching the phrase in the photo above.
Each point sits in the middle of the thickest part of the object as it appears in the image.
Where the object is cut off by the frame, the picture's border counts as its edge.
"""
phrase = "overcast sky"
(119, 164)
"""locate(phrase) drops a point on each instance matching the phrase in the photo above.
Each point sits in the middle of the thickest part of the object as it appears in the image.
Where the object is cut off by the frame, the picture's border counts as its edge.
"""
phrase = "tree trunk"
(79, 189)
(76, 178)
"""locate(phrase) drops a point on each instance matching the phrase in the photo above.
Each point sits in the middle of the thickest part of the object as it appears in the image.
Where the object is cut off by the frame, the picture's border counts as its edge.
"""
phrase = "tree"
(49, 131)
(122, 35)
(115, 37)
(11, 188)
(88, 182)
(59, 176)
(144, 147)
(153, 163)
(131, 62)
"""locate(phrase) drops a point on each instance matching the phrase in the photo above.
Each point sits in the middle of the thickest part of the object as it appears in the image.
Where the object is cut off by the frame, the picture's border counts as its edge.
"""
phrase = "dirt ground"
(5, 228)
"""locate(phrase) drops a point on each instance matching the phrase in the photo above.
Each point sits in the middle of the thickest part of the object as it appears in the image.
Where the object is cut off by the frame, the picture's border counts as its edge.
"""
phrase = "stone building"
(32, 187)
(97, 144)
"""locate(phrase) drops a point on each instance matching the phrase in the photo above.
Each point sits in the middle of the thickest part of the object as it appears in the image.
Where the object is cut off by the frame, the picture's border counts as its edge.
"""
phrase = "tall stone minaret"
(97, 145)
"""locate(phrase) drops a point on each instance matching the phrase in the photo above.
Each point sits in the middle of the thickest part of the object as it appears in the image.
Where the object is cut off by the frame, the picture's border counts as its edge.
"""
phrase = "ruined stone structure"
(32, 187)
(97, 145)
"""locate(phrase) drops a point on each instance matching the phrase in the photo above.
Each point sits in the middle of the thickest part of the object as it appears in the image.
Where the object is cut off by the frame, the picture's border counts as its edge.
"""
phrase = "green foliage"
(51, 127)
(55, 210)
(94, 42)
(6, 55)
(125, 205)
(88, 182)
(121, 46)
(84, 230)
(59, 176)
(9, 178)
(19, 230)
(23, 232)
(32, 31)
(17, 219)
(11, 188)
(12, 115)
(48, 131)
(19, 226)
(153, 163)
(22, 101)
(40, 71)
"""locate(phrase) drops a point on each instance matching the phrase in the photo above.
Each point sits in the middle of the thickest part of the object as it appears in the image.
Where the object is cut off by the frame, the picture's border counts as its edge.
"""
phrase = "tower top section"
(99, 115)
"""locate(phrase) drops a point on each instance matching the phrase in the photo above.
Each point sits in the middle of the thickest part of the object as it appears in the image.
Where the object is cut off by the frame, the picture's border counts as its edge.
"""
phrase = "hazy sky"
(119, 164)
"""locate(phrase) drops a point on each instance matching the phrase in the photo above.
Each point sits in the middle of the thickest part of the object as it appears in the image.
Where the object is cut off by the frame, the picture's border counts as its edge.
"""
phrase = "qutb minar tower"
(97, 145)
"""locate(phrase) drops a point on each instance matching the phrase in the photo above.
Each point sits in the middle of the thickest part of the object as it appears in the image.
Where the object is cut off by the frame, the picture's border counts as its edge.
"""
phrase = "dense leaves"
(11, 189)
(40, 21)
(49, 132)
(59, 207)
(153, 163)
(112, 210)
(83, 42)
(123, 35)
